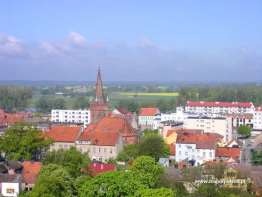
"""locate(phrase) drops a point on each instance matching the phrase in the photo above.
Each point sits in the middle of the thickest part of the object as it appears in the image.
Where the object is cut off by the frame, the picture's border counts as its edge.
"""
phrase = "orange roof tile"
(31, 171)
(228, 152)
(148, 111)
(63, 133)
(202, 140)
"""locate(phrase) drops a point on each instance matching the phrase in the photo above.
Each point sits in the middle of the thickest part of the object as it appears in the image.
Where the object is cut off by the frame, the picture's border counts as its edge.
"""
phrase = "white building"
(10, 185)
(217, 107)
(257, 118)
(197, 148)
(219, 125)
(146, 117)
(71, 116)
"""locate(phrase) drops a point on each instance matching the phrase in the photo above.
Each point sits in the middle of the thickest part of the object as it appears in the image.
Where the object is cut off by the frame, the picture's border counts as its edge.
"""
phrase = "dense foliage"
(256, 157)
(23, 142)
(46, 104)
(143, 173)
(244, 130)
(72, 160)
(151, 144)
(159, 192)
(14, 98)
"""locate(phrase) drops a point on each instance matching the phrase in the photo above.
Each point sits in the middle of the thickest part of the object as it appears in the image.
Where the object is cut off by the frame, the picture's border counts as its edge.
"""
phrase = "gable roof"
(228, 152)
(31, 171)
(63, 133)
(98, 168)
(148, 111)
(202, 140)
(218, 104)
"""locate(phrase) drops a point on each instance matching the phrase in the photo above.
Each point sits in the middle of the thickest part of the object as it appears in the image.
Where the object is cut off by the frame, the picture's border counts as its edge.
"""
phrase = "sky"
(144, 40)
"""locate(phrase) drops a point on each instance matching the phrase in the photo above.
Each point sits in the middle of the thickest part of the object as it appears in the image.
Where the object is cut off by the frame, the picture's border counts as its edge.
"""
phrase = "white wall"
(190, 152)
(71, 116)
(14, 186)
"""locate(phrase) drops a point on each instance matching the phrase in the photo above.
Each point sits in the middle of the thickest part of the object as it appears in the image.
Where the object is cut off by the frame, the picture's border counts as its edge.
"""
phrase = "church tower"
(99, 107)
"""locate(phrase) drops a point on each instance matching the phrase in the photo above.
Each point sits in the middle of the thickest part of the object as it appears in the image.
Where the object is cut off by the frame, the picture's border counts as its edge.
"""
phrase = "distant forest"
(45, 98)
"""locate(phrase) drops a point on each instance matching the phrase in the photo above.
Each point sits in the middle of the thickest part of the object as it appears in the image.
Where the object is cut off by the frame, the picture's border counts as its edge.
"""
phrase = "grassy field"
(150, 94)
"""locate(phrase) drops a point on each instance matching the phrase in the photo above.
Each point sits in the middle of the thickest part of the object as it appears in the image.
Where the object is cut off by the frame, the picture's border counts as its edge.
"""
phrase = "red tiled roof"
(98, 168)
(11, 118)
(202, 141)
(100, 138)
(31, 171)
(112, 124)
(218, 104)
(63, 133)
(228, 152)
(148, 111)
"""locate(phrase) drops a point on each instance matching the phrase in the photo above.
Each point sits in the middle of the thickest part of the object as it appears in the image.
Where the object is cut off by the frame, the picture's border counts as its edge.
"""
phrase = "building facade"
(218, 107)
(71, 116)
(222, 125)
(146, 117)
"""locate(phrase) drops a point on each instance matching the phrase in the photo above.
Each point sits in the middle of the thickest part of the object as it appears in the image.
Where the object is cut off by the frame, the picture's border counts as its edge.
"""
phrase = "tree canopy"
(72, 160)
(23, 142)
(244, 130)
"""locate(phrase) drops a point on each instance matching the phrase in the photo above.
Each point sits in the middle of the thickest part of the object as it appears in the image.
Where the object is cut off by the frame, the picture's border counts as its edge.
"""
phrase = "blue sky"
(131, 40)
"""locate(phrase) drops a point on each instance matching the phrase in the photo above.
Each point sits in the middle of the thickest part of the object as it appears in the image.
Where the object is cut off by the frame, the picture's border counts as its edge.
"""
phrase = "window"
(210, 154)
(10, 190)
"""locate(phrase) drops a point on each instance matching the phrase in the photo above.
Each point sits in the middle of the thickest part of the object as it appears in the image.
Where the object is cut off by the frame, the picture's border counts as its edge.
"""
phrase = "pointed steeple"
(99, 88)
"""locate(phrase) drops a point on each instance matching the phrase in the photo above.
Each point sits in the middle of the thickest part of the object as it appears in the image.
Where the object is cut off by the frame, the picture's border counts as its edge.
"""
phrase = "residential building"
(225, 153)
(100, 145)
(257, 118)
(146, 117)
(219, 125)
(218, 107)
(62, 116)
(63, 137)
(96, 168)
(10, 185)
(196, 148)
(30, 172)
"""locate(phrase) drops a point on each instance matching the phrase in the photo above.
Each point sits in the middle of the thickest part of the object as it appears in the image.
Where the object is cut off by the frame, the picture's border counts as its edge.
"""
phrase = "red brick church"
(99, 108)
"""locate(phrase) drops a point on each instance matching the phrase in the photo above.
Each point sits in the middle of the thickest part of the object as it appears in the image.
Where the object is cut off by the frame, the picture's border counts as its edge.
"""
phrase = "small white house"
(10, 185)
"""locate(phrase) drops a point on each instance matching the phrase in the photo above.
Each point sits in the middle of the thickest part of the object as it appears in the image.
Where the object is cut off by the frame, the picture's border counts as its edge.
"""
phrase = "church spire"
(99, 88)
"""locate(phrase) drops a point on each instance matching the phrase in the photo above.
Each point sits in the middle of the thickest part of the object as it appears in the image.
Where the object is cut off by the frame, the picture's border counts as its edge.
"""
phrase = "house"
(63, 136)
(225, 153)
(196, 148)
(210, 124)
(30, 172)
(100, 146)
(8, 119)
(97, 168)
(146, 117)
(10, 184)
(257, 118)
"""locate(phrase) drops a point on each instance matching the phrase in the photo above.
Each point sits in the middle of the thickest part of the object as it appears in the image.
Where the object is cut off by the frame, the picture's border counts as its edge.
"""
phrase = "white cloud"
(76, 39)
(10, 45)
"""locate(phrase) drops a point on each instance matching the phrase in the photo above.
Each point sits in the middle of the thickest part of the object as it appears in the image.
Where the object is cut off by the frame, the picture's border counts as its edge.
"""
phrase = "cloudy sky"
(131, 40)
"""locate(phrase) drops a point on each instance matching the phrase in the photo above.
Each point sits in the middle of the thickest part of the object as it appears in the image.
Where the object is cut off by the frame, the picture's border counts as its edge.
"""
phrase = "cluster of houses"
(196, 134)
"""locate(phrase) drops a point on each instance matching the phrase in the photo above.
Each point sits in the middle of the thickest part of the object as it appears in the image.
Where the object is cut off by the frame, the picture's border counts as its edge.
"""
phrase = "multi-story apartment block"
(71, 116)
(219, 125)
(197, 148)
(218, 107)
(257, 118)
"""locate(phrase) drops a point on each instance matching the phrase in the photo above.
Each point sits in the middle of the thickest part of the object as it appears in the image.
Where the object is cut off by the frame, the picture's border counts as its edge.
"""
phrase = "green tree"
(23, 141)
(244, 130)
(72, 160)
(81, 103)
(152, 145)
(112, 184)
(256, 157)
(159, 192)
(129, 153)
(53, 181)
(147, 170)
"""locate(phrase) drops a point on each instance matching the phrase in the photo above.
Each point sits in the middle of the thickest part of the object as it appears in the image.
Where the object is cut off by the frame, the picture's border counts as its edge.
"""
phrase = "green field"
(149, 94)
